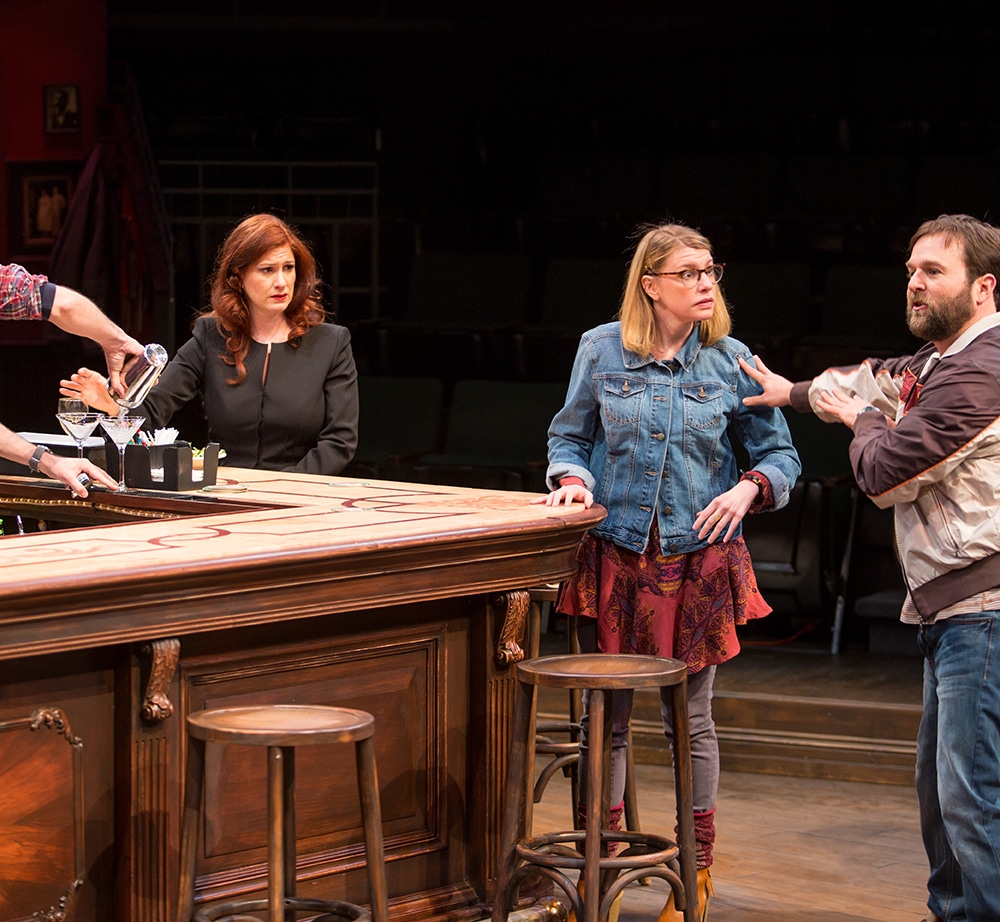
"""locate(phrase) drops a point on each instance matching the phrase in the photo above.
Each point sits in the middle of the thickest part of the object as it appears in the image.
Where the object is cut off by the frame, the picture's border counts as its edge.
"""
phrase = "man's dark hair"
(980, 241)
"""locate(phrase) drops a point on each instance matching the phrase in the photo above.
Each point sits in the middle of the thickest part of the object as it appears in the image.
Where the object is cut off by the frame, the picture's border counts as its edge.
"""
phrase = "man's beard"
(941, 319)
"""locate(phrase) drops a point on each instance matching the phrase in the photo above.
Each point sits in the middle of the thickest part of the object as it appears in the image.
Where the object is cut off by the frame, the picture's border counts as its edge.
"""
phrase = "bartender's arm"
(68, 470)
(77, 314)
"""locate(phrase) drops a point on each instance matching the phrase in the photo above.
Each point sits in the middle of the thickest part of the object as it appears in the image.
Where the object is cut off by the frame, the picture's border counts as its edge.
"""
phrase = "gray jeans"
(704, 742)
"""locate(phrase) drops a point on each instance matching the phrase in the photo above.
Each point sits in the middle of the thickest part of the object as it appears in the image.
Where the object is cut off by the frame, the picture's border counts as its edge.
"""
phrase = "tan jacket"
(938, 466)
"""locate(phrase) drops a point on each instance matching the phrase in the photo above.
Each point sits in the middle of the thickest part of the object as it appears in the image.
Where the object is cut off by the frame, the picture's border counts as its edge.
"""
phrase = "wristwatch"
(36, 456)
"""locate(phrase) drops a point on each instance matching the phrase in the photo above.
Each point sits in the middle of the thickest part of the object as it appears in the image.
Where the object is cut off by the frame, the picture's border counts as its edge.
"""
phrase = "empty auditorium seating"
(863, 314)
(771, 306)
(400, 419)
(841, 207)
(496, 436)
(455, 302)
(577, 295)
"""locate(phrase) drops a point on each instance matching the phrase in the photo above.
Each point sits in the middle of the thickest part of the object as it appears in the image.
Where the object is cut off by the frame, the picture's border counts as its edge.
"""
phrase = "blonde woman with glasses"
(651, 403)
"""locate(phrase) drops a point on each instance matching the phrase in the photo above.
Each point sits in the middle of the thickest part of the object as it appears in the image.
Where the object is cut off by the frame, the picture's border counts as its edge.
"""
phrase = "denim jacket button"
(659, 436)
(668, 510)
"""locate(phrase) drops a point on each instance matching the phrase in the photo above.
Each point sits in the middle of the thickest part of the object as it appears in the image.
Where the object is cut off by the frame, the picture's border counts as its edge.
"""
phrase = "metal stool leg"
(281, 832)
(631, 801)
(575, 713)
(596, 801)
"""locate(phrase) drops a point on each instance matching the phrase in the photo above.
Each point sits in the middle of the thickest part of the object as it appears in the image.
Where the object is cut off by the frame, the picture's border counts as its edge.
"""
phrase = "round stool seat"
(548, 592)
(602, 670)
(281, 729)
(281, 725)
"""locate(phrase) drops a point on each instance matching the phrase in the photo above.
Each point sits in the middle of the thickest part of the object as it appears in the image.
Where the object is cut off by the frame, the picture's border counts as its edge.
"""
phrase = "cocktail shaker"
(141, 375)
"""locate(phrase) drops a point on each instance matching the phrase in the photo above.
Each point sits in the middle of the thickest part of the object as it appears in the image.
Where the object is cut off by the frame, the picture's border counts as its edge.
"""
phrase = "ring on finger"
(83, 478)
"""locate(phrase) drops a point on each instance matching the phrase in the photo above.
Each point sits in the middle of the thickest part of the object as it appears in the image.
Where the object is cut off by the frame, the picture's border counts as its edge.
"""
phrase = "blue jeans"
(958, 766)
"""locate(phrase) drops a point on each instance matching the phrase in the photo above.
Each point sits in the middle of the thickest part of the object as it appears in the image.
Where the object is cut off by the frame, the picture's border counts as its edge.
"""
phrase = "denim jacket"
(649, 436)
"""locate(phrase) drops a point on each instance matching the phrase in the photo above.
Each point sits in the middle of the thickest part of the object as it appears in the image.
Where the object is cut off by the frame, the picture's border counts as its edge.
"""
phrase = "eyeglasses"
(690, 277)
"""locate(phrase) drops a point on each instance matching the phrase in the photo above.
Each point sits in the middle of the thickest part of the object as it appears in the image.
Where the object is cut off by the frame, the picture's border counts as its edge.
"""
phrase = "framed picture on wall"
(61, 108)
(39, 196)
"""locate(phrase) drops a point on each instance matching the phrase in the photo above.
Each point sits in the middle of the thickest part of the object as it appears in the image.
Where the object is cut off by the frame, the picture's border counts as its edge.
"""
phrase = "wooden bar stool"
(564, 754)
(551, 854)
(282, 728)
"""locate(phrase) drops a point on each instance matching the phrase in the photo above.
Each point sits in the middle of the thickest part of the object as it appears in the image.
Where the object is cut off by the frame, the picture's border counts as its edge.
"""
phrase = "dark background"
(462, 104)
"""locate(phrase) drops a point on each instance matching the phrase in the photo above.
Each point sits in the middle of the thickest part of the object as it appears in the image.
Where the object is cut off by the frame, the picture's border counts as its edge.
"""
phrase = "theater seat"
(497, 435)
(455, 304)
(577, 295)
(400, 419)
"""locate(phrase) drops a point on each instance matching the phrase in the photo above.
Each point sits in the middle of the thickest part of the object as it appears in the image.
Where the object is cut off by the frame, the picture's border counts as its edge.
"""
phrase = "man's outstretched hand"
(777, 390)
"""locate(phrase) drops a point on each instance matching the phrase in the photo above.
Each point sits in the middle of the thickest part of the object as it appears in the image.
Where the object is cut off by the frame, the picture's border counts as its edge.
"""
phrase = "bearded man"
(927, 443)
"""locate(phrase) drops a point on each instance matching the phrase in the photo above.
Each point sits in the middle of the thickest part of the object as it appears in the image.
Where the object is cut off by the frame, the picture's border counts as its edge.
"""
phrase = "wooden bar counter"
(132, 610)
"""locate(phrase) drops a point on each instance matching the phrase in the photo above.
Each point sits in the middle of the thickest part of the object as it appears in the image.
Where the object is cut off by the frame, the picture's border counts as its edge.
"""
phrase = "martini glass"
(79, 427)
(72, 405)
(121, 429)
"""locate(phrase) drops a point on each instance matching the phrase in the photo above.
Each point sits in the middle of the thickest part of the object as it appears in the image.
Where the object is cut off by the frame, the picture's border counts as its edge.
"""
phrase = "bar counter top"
(76, 587)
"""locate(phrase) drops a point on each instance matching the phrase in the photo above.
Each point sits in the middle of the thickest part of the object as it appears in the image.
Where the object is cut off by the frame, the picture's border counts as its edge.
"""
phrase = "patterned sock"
(704, 837)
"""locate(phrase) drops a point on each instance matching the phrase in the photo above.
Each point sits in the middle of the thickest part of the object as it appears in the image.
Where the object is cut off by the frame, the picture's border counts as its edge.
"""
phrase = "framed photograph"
(39, 195)
(61, 108)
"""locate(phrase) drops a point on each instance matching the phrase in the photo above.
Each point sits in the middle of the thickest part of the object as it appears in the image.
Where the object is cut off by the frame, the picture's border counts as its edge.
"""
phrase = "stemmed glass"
(72, 405)
(121, 429)
(79, 426)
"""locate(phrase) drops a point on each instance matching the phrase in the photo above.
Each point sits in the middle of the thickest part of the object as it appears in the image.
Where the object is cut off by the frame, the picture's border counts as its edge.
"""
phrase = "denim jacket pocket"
(703, 405)
(623, 400)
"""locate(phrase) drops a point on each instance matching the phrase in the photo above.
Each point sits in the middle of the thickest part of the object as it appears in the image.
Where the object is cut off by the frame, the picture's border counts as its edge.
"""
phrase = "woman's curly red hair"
(246, 244)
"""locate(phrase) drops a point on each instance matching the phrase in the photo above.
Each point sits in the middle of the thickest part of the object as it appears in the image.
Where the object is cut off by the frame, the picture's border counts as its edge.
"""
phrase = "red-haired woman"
(279, 385)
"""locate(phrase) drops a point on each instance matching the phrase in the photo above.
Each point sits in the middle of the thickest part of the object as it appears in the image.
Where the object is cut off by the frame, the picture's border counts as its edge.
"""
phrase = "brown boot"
(704, 891)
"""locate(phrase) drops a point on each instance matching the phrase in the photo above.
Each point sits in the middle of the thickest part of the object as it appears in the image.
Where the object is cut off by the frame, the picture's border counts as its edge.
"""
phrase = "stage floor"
(811, 670)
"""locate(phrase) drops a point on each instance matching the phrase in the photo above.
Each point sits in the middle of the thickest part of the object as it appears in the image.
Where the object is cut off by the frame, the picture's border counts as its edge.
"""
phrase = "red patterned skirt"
(684, 606)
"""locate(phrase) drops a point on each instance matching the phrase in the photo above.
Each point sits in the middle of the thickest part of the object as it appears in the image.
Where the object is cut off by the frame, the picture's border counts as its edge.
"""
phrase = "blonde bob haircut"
(638, 324)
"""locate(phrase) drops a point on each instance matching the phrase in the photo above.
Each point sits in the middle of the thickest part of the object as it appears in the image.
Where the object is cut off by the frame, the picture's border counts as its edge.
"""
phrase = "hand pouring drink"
(140, 376)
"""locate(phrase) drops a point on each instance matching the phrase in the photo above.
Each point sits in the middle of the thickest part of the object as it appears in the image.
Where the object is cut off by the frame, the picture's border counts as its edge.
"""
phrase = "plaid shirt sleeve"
(20, 293)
